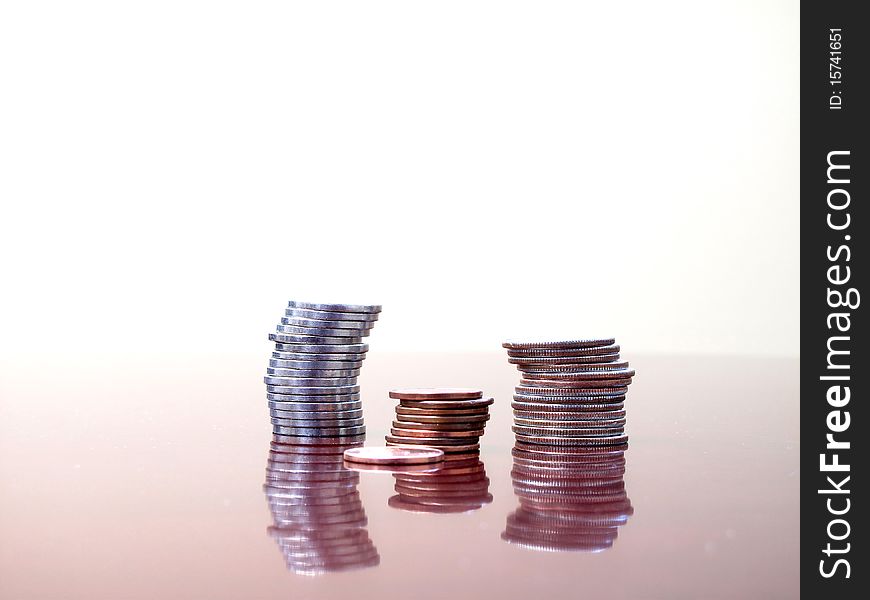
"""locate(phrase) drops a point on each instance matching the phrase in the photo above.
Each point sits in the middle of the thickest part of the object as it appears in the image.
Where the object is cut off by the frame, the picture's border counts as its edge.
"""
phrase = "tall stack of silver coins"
(311, 381)
(572, 392)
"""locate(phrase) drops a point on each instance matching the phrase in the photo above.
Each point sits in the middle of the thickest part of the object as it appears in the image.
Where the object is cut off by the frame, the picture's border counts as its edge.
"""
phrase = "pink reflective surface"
(142, 477)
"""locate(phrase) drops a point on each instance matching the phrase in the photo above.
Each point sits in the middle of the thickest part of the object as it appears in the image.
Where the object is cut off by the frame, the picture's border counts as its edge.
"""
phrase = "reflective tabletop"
(143, 477)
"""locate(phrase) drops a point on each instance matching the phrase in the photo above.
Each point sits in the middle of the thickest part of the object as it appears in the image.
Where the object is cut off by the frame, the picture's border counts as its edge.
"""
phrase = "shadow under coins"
(571, 499)
(319, 519)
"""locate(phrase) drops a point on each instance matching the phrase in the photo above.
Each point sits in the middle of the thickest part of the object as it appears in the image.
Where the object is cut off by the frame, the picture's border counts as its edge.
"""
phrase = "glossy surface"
(143, 477)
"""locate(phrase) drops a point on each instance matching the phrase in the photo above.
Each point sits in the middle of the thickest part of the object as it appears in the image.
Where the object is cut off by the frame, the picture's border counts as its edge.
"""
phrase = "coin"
(326, 432)
(319, 415)
(433, 404)
(441, 412)
(313, 390)
(566, 392)
(316, 423)
(436, 394)
(573, 441)
(315, 365)
(573, 432)
(568, 415)
(394, 455)
(447, 448)
(306, 401)
(322, 315)
(435, 434)
(309, 381)
(575, 368)
(547, 360)
(622, 374)
(349, 336)
(563, 352)
(313, 373)
(340, 308)
(594, 404)
(304, 346)
(292, 352)
(574, 385)
(547, 422)
(465, 426)
(350, 326)
(569, 343)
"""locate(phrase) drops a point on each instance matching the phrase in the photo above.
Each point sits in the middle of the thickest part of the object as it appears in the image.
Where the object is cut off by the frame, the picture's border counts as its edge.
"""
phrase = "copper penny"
(441, 404)
(441, 412)
(436, 394)
(550, 361)
(403, 424)
(394, 455)
(424, 433)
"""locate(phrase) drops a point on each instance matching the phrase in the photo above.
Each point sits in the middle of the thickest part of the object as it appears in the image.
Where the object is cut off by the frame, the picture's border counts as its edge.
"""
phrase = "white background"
(172, 172)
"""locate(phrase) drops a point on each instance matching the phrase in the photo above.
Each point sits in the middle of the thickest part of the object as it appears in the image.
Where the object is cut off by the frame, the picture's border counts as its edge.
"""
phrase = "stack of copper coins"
(572, 392)
(450, 419)
(459, 485)
(571, 498)
(311, 381)
(319, 520)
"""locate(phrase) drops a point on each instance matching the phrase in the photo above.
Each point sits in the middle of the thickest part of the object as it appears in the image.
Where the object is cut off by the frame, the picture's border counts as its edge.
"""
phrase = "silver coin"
(569, 424)
(349, 336)
(548, 392)
(318, 373)
(309, 381)
(301, 348)
(316, 415)
(303, 406)
(332, 324)
(313, 391)
(342, 308)
(311, 365)
(575, 368)
(281, 354)
(311, 340)
(331, 423)
(318, 431)
(325, 315)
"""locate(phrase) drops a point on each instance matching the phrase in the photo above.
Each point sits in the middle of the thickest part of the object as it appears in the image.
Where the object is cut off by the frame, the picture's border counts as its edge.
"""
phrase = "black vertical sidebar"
(834, 368)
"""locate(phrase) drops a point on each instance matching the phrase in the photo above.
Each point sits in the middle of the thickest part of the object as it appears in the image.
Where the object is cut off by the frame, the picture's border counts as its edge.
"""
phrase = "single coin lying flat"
(394, 455)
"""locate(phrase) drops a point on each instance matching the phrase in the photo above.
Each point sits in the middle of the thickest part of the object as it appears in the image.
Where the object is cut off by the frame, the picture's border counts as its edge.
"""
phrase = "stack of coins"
(450, 419)
(571, 392)
(319, 520)
(311, 381)
(571, 498)
(459, 485)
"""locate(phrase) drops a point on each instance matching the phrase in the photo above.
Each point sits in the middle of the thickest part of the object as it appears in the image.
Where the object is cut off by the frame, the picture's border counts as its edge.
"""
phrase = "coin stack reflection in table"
(571, 498)
(450, 419)
(319, 520)
(311, 381)
(571, 394)
(459, 485)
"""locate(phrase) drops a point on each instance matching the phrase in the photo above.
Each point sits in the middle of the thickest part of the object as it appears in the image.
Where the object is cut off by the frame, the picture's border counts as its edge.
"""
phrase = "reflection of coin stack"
(571, 392)
(311, 382)
(450, 419)
(459, 485)
(571, 498)
(319, 520)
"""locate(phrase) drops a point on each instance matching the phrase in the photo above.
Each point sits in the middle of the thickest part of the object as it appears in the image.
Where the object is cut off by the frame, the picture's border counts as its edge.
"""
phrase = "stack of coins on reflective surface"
(571, 392)
(459, 485)
(450, 419)
(311, 382)
(571, 498)
(319, 520)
